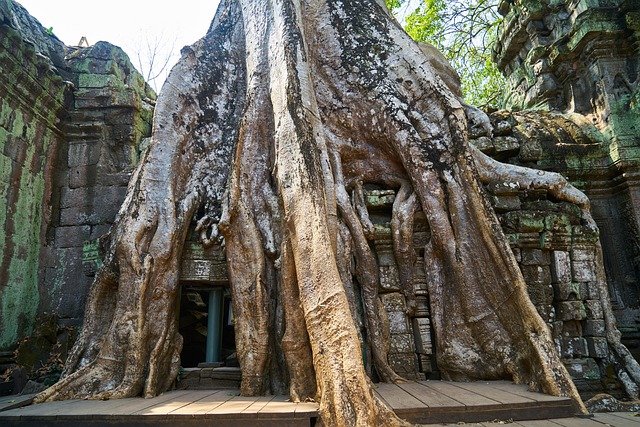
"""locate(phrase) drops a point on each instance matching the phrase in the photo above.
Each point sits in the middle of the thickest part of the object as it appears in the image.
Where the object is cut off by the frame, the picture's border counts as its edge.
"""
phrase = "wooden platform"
(418, 402)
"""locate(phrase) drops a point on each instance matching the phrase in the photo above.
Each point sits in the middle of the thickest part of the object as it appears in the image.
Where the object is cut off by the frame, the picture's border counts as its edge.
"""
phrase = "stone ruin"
(73, 122)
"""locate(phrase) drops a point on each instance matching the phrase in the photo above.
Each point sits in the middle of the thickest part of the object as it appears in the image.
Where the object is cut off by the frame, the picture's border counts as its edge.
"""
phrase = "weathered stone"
(484, 144)
(598, 347)
(506, 146)
(567, 291)
(398, 323)
(583, 368)
(594, 328)
(540, 293)
(583, 271)
(389, 278)
(393, 302)
(536, 274)
(547, 312)
(535, 257)
(405, 364)
(582, 254)
(523, 222)
(574, 347)
(422, 335)
(560, 267)
(402, 343)
(506, 203)
(571, 310)
(73, 236)
(593, 290)
(593, 309)
(572, 329)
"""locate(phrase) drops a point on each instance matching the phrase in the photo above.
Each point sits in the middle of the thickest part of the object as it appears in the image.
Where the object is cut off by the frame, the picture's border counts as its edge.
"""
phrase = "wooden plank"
(15, 401)
(204, 405)
(397, 398)
(618, 419)
(467, 398)
(580, 422)
(257, 406)
(44, 409)
(280, 406)
(167, 407)
(523, 390)
(134, 404)
(487, 390)
(428, 396)
(534, 423)
(306, 410)
(233, 405)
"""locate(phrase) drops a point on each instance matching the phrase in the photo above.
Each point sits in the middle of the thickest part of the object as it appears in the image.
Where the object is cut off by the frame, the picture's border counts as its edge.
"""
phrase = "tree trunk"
(264, 134)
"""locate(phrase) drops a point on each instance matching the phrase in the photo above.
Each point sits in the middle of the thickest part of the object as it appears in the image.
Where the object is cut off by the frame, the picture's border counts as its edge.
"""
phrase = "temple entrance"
(206, 316)
(206, 324)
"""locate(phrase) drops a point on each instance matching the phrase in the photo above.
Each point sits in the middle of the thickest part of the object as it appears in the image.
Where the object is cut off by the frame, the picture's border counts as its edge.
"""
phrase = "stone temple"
(74, 122)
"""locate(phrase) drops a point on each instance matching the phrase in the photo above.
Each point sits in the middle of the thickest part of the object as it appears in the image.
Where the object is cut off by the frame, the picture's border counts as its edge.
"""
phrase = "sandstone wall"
(71, 122)
(582, 58)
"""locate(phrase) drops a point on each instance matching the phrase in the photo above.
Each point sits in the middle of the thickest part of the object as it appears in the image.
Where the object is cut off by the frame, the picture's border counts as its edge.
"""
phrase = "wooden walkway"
(426, 402)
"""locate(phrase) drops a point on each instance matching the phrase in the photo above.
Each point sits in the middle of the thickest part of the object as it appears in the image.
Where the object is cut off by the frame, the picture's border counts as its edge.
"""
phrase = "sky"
(127, 23)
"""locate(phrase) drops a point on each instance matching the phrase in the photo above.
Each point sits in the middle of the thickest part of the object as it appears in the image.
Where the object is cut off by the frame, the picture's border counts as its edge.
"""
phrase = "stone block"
(422, 335)
(404, 364)
(571, 310)
(389, 279)
(506, 203)
(586, 368)
(83, 155)
(502, 128)
(506, 146)
(547, 312)
(484, 144)
(398, 323)
(593, 309)
(567, 291)
(82, 176)
(574, 347)
(598, 347)
(402, 343)
(523, 222)
(571, 329)
(97, 80)
(536, 274)
(583, 254)
(556, 329)
(560, 267)
(206, 373)
(583, 271)
(123, 133)
(540, 293)
(593, 290)
(532, 256)
(394, 302)
(594, 328)
(557, 223)
(83, 216)
(74, 236)
(99, 230)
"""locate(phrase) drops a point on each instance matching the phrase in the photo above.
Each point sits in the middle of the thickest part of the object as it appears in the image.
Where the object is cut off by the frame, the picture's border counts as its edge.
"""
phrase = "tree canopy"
(465, 32)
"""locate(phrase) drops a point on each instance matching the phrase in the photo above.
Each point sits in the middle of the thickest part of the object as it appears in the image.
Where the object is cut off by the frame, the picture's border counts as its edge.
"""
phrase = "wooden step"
(425, 402)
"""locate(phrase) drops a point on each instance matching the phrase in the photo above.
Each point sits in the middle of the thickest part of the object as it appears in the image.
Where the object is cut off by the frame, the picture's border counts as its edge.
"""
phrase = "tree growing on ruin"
(265, 134)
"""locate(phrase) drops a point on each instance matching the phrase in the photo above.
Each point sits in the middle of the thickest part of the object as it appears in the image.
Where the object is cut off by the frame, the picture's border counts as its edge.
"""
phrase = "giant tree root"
(265, 132)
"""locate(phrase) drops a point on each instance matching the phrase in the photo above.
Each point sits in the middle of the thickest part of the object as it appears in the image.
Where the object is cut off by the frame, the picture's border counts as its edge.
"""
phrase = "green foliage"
(465, 32)
(393, 5)
(426, 23)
